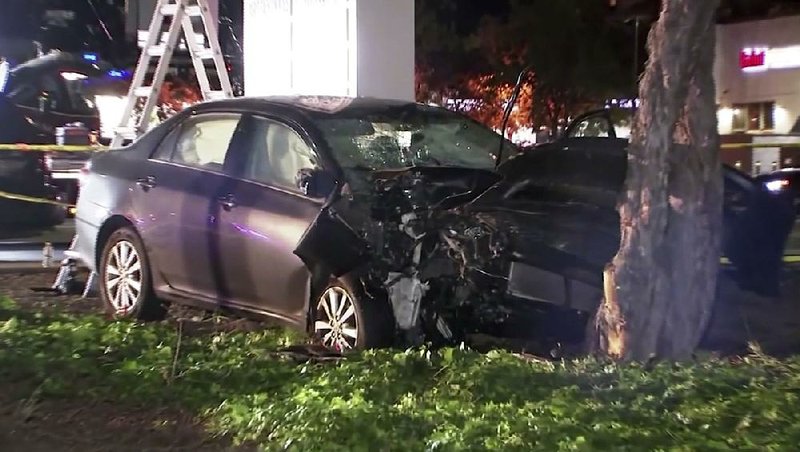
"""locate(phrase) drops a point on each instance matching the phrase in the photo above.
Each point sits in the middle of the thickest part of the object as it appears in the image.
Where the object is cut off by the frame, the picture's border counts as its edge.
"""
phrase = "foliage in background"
(453, 70)
(578, 60)
(451, 399)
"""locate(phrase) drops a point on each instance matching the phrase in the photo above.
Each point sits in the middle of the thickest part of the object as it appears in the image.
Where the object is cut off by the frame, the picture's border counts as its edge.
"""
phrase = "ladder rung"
(156, 51)
(171, 10)
(128, 133)
(143, 91)
(214, 95)
(205, 54)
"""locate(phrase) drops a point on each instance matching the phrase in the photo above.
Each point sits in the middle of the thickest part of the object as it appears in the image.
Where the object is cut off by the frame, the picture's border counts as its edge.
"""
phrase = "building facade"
(757, 70)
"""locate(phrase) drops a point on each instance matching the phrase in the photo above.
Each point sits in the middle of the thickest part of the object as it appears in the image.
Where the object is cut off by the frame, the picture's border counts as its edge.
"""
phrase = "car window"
(410, 135)
(203, 142)
(167, 146)
(611, 123)
(42, 92)
(276, 154)
(737, 188)
(593, 126)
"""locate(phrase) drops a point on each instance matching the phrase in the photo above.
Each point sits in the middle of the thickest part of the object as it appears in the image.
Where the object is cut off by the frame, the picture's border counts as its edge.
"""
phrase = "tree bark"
(659, 288)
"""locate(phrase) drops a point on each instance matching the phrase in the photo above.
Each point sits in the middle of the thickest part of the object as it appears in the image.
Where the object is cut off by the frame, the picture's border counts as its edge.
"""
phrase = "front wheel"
(346, 319)
(125, 285)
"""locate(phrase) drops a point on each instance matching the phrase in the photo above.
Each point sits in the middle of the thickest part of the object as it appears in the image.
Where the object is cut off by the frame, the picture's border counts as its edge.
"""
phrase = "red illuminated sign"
(753, 58)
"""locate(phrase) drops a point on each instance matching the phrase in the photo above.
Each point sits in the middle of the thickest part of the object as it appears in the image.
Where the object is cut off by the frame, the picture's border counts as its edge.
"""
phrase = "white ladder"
(181, 13)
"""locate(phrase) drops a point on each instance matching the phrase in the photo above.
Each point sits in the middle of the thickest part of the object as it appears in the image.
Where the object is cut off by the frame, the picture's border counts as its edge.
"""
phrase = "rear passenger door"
(176, 197)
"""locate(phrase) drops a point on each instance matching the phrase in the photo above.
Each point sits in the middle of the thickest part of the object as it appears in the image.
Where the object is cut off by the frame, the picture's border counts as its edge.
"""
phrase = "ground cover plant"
(242, 387)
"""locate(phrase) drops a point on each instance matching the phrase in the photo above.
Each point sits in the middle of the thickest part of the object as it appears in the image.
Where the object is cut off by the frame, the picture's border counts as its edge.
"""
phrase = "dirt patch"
(19, 287)
(29, 291)
(742, 318)
(31, 425)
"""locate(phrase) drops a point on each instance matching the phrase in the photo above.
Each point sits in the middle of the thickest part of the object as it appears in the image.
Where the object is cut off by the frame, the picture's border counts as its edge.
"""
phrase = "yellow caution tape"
(49, 148)
(759, 145)
(18, 197)
(786, 259)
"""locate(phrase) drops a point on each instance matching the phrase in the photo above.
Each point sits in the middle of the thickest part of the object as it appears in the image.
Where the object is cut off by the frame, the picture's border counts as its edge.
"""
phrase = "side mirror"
(315, 183)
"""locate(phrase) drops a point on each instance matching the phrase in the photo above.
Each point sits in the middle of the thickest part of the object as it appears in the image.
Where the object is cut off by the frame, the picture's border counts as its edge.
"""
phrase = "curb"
(28, 244)
(26, 268)
(31, 268)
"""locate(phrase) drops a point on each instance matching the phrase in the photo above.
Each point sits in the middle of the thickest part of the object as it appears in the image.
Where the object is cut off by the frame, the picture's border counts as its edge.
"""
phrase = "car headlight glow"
(777, 185)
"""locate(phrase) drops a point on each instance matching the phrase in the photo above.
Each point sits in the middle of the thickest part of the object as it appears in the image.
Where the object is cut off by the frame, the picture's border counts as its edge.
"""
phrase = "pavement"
(26, 246)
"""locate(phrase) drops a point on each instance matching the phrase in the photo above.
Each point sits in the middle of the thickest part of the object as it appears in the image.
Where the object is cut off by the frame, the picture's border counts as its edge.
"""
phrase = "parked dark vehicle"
(363, 221)
(37, 97)
(757, 222)
(785, 181)
(25, 173)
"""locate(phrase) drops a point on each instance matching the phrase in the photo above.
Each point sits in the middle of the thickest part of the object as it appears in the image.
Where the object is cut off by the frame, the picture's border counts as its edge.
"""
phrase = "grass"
(451, 399)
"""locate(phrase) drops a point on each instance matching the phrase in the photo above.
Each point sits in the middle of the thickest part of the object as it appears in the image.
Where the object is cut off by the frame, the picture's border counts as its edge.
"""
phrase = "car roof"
(54, 62)
(782, 172)
(313, 105)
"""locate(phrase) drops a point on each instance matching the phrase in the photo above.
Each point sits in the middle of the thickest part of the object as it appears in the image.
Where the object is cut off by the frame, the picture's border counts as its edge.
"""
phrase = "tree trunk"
(659, 288)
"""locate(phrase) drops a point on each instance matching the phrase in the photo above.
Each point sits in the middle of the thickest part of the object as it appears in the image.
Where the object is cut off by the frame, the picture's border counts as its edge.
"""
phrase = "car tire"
(345, 318)
(125, 283)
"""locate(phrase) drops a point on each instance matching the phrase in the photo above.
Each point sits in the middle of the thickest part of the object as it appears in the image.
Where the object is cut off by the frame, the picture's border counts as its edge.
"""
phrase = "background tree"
(452, 68)
(660, 286)
(578, 59)
(445, 62)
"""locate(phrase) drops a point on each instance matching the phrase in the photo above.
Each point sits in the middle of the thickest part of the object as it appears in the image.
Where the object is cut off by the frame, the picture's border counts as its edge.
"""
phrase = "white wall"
(300, 47)
(779, 85)
(386, 49)
(359, 48)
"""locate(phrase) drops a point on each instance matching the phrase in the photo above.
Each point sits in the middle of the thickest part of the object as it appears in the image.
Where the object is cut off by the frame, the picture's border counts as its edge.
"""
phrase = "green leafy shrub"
(451, 399)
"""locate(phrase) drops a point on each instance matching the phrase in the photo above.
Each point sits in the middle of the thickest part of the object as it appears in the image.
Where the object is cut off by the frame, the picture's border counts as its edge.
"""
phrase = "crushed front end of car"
(459, 251)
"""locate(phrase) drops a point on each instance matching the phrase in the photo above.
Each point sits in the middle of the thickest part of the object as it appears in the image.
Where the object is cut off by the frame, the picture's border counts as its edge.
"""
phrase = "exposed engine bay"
(452, 256)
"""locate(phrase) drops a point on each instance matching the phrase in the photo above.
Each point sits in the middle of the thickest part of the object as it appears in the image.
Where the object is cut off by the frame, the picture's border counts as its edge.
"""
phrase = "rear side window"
(202, 142)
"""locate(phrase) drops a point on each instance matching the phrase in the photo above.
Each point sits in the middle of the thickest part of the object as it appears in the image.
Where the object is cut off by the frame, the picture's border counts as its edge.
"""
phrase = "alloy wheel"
(123, 276)
(337, 324)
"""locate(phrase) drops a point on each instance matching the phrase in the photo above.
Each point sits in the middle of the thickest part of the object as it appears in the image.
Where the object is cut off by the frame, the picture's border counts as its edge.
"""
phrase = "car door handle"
(146, 183)
(227, 202)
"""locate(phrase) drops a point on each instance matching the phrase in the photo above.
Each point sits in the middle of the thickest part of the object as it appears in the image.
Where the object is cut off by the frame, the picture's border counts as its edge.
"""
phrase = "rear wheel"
(124, 273)
(345, 319)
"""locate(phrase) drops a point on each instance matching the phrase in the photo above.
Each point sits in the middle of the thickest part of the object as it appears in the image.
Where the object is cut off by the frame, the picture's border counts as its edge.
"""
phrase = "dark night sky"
(469, 13)
(22, 18)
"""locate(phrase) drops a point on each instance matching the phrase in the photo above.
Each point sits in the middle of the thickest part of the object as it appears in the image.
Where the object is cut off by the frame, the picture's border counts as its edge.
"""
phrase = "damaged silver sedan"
(366, 222)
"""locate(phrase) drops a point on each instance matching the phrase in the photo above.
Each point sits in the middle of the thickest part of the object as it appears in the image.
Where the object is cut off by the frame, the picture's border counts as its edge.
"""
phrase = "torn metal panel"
(406, 294)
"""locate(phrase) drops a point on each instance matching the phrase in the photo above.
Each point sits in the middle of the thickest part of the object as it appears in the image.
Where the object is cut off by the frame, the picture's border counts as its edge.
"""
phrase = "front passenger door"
(266, 219)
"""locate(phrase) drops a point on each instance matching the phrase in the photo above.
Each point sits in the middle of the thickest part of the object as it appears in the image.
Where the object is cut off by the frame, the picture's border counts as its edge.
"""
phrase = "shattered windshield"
(410, 136)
